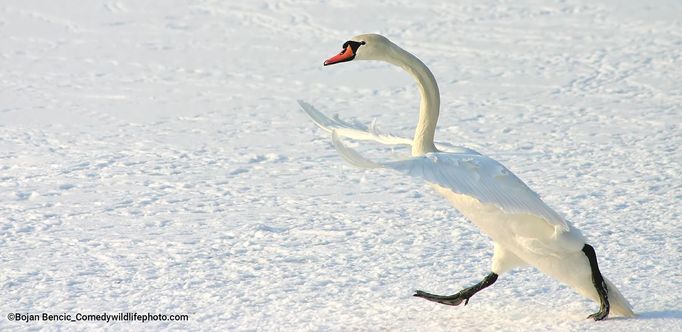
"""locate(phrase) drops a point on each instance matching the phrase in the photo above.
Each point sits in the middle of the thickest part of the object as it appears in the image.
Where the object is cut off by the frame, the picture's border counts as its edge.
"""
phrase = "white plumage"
(525, 231)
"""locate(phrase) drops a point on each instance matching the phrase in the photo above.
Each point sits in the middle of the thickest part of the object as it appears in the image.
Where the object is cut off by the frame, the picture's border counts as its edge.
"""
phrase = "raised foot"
(456, 299)
(461, 296)
(599, 315)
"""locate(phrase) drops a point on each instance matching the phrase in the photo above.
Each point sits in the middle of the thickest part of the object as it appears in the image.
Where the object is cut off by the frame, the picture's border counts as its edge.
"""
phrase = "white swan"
(524, 230)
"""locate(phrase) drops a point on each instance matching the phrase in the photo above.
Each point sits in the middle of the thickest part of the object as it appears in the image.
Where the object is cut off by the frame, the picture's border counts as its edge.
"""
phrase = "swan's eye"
(362, 42)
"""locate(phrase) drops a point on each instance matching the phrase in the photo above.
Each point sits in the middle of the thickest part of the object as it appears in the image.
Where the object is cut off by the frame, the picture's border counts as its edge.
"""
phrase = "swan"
(523, 229)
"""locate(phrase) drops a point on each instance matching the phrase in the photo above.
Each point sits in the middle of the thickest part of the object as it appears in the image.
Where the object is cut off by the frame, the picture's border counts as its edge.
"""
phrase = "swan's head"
(362, 47)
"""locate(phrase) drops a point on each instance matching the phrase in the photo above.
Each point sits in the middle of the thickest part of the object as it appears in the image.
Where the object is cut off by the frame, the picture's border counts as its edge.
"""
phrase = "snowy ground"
(153, 159)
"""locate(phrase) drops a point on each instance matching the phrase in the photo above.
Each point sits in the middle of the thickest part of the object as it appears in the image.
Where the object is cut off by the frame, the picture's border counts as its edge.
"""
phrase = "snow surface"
(153, 158)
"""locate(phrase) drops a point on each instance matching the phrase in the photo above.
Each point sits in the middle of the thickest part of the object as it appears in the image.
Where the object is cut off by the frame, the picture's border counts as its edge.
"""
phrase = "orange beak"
(346, 55)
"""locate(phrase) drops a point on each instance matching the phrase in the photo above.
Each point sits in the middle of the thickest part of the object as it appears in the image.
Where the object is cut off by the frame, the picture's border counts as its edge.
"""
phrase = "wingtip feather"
(351, 156)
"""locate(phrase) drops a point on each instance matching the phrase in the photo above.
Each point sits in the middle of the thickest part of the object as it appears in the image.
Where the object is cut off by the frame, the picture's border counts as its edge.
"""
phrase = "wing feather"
(474, 175)
(482, 178)
(366, 133)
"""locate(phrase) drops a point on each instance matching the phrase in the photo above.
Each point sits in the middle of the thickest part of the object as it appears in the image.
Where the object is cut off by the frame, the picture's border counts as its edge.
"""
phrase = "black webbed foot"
(453, 300)
(599, 284)
(599, 315)
(461, 296)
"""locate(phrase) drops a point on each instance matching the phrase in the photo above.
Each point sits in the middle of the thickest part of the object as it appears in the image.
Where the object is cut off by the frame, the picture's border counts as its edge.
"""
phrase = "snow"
(153, 158)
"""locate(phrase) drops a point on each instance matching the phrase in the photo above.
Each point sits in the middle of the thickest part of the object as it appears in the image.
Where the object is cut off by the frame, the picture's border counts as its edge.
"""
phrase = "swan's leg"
(462, 295)
(599, 284)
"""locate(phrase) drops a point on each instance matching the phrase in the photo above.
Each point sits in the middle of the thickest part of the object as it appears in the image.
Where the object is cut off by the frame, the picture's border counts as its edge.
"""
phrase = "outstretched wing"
(474, 175)
(354, 131)
(365, 133)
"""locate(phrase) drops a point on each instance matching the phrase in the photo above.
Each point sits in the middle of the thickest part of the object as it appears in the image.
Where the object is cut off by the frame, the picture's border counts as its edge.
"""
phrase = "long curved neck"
(430, 99)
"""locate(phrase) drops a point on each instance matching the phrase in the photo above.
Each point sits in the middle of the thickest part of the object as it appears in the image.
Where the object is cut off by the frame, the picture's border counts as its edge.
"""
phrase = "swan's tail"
(575, 271)
(619, 305)
(351, 130)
